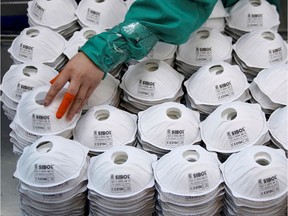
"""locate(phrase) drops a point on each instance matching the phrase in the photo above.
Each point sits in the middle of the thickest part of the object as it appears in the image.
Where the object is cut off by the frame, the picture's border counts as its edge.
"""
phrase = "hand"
(84, 76)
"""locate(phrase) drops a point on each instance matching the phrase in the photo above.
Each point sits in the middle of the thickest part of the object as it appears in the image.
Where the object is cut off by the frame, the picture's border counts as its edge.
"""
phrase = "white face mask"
(277, 124)
(98, 13)
(248, 15)
(273, 83)
(261, 48)
(216, 83)
(79, 38)
(103, 127)
(151, 80)
(205, 46)
(169, 125)
(38, 44)
(24, 77)
(188, 171)
(233, 127)
(257, 174)
(121, 172)
(42, 12)
(48, 162)
(37, 119)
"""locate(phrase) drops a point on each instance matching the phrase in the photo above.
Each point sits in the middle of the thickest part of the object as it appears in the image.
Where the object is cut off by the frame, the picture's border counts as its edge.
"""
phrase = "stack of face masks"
(58, 15)
(216, 20)
(203, 47)
(166, 126)
(188, 182)
(102, 13)
(269, 88)
(277, 124)
(103, 127)
(121, 182)
(247, 15)
(259, 49)
(215, 84)
(234, 126)
(53, 177)
(23, 78)
(39, 44)
(34, 120)
(149, 83)
(256, 182)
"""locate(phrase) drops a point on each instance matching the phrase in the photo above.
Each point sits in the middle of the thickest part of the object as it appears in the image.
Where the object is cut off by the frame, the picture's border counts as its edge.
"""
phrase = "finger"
(54, 79)
(57, 85)
(67, 100)
(88, 94)
(77, 102)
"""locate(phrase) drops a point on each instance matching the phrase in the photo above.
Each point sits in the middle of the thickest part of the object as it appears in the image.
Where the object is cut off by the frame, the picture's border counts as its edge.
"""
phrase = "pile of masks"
(34, 120)
(149, 83)
(256, 182)
(22, 78)
(58, 15)
(189, 182)
(104, 127)
(166, 126)
(203, 47)
(248, 15)
(121, 182)
(259, 49)
(53, 177)
(269, 88)
(233, 127)
(215, 84)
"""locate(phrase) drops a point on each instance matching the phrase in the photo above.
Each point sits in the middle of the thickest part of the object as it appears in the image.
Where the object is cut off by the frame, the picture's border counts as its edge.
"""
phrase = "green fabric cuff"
(123, 42)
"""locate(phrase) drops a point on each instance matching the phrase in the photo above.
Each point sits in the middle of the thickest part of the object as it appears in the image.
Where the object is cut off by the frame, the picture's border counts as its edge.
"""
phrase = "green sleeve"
(146, 23)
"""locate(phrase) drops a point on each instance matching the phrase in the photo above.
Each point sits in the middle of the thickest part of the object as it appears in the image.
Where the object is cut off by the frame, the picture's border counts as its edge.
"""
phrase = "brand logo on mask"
(272, 178)
(24, 87)
(44, 167)
(26, 47)
(41, 117)
(241, 130)
(118, 177)
(200, 174)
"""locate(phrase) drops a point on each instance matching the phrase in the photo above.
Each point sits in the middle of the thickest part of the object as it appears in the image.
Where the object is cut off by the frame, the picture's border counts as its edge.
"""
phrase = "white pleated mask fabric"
(51, 161)
(188, 171)
(122, 171)
(169, 125)
(103, 127)
(257, 173)
(216, 83)
(205, 46)
(248, 15)
(52, 14)
(105, 14)
(277, 124)
(273, 83)
(151, 80)
(261, 48)
(38, 44)
(25, 77)
(79, 38)
(41, 120)
(233, 127)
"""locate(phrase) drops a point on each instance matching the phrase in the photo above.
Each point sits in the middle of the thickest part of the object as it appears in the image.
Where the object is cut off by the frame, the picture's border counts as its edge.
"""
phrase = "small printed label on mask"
(44, 173)
(275, 55)
(146, 88)
(198, 181)
(237, 137)
(26, 52)
(41, 123)
(120, 183)
(175, 137)
(268, 186)
(38, 11)
(93, 16)
(203, 54)
(103, 139)
(255, 20)
(224, 91)
(52, 196)
(21, 88)
(32, 136)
